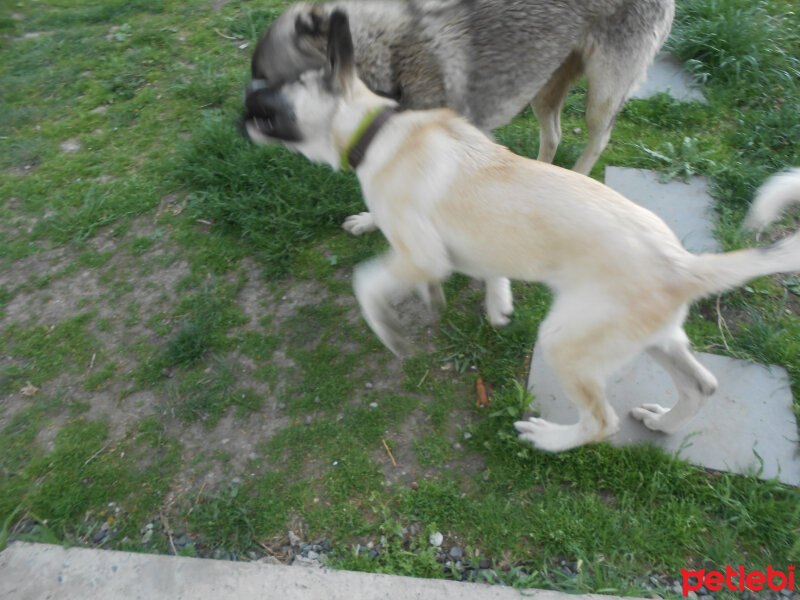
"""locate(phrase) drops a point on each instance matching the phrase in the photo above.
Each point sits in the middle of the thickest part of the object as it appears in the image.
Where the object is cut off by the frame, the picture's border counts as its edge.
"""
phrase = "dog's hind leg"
(582, 345)
(609, 85)
(547, 105)
(695, 384)
(596, 418)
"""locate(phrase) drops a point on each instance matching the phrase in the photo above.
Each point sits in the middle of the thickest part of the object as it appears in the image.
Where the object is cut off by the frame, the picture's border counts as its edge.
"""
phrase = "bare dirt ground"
(148, 282)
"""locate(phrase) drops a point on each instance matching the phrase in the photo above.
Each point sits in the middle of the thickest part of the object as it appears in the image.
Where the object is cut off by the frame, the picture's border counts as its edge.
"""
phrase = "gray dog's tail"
(715, 273)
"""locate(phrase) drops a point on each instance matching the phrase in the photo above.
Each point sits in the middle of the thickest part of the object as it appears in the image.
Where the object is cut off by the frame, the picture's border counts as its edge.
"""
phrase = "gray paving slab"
(666, 74)
(748, 425)
(686, 207)
(41, 571)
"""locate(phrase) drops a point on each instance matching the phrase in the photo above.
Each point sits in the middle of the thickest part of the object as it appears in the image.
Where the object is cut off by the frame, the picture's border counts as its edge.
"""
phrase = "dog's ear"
(341, 63)
(313, 23)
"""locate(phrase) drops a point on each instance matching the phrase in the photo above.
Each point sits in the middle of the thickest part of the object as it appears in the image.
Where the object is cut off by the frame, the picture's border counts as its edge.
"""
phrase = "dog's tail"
(715, 273)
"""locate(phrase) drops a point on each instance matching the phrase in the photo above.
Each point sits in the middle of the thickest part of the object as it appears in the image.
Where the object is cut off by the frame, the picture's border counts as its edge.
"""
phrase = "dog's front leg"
(363, 222)
(499, 301)
(377, 284)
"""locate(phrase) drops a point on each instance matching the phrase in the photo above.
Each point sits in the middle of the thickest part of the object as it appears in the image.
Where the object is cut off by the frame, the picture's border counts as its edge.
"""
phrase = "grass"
(164, 282)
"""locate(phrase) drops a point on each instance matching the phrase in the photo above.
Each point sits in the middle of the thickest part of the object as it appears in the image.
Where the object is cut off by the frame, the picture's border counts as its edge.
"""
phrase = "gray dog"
(486, 59)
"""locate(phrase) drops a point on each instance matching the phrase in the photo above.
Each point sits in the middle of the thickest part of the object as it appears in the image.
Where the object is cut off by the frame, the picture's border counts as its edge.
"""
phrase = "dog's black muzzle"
(268, 111)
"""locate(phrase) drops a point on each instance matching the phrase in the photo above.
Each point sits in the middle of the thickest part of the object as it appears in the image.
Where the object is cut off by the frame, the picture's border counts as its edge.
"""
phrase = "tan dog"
(449, 199)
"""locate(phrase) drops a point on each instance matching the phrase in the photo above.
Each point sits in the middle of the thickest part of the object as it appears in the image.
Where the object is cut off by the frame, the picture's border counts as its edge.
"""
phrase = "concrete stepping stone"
(686, 207)
(747, 426)
(666, 74)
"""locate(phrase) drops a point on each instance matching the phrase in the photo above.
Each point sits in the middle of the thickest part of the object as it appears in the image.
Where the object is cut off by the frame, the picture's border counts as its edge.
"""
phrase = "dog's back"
(486, 59)
(496, 56)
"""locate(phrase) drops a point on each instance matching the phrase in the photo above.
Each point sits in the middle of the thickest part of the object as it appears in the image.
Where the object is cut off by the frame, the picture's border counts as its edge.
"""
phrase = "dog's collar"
(355, 150)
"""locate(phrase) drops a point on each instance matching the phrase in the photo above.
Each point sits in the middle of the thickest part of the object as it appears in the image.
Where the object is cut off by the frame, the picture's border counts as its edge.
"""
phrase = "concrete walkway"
(43, 571)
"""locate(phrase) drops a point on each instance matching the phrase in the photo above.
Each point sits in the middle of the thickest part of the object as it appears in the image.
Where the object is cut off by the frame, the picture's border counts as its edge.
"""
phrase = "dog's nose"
(266, 102)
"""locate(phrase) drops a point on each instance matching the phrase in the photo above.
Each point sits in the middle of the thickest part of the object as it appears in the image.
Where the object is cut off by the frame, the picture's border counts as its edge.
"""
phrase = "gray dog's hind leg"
(548, 103)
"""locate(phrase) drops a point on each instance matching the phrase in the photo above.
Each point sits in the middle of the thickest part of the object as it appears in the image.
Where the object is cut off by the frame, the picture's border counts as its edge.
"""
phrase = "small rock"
(456, 552)
(309, 420)
(302, 561)
(294, 539)
(373, 405)
(71, 146)
(577, 131)
(436, 539)
(368, 385)
(317, 400)
(312, 555)
(281, 405)
(147, 537)
(236, 481)
(467, 435)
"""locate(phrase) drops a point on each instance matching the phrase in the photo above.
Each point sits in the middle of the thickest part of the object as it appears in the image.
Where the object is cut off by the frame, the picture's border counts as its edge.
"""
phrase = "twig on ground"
(93, 456)
(169, 533)
(394, 462)
(723, 326)
(423, 378)
(227, 37)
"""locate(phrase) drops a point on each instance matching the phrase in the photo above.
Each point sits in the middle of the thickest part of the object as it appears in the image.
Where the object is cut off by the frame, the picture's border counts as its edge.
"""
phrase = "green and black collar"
(356, 149)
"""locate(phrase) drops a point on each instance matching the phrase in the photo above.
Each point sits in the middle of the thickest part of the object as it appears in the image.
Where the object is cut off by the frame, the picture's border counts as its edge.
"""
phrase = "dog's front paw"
(652, 415)
(372, 284)
(360, 223)
(499, 301)
(498, 319)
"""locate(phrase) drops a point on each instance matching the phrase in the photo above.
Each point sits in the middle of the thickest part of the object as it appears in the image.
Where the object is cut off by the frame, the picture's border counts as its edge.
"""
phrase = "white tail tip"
(772, 198)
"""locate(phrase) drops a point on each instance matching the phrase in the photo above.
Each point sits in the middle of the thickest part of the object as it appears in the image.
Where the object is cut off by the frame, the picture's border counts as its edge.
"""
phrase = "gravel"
(456, 562)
